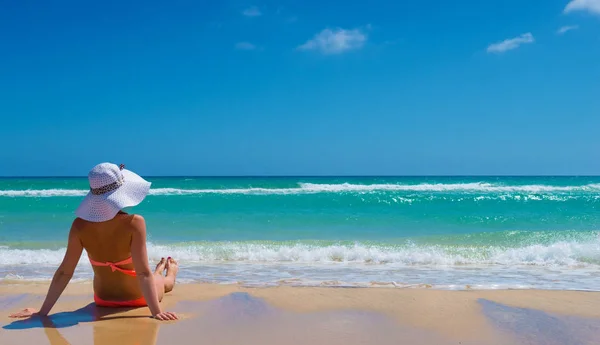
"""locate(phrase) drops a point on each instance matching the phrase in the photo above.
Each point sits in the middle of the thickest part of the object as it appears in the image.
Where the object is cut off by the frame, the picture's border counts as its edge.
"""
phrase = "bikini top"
(114, 266)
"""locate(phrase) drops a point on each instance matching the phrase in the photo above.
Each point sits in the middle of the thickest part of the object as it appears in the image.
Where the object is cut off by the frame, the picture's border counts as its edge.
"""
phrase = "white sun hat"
(112, 188)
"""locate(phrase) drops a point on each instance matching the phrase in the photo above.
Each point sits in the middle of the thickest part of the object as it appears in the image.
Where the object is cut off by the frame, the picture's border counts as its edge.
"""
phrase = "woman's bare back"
(110, 241)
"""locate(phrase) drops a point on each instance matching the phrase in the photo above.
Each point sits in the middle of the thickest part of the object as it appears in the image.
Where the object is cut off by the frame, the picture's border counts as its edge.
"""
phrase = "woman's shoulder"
(136, 221)
(78, 223)
(137, 218)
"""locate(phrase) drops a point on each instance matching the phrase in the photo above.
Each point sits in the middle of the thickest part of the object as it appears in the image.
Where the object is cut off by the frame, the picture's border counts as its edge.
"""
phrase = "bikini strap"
(114, 266)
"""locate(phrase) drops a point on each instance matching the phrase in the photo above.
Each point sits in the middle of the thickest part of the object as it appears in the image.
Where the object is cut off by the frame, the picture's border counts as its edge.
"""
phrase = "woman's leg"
(166, 283)
(172, 270)
(159, 280)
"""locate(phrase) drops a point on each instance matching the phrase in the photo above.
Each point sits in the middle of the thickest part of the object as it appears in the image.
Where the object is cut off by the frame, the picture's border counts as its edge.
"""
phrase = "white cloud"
(563, 30)
(336, 41)
(592, 6)
(511, 43)
(245, 46)
(252, 12)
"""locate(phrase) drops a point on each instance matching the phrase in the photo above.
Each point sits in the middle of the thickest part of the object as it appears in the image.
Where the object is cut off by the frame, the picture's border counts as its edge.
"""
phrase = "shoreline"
(6, 283)
(426, 316)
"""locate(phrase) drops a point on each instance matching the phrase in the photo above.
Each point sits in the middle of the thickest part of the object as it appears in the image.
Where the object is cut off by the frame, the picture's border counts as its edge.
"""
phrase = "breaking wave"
(312, 188)
(557, 254)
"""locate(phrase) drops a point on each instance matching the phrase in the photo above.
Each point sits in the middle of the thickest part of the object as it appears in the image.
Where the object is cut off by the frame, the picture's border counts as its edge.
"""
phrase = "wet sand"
(228, 314)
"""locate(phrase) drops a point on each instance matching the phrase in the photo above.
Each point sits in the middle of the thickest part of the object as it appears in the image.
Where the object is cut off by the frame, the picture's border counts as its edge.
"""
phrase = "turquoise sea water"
(447, 232)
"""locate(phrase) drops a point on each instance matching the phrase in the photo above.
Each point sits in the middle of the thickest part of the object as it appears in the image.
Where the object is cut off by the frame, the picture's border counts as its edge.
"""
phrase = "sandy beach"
(230, 314)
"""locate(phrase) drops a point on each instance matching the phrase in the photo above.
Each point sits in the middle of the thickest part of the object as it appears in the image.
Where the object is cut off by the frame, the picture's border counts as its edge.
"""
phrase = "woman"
(116, 246)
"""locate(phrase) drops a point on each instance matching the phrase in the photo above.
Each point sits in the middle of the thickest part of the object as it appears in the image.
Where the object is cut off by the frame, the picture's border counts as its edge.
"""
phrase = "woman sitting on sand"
(116, 246)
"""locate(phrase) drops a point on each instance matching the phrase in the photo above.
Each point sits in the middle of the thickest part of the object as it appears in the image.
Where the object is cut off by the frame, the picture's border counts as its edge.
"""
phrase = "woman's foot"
(162, 264)
(172, 269)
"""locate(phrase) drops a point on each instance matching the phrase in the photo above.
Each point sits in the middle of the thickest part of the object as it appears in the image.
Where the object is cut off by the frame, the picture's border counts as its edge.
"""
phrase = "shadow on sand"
(535, 327)
(89, 313)
(87, 325)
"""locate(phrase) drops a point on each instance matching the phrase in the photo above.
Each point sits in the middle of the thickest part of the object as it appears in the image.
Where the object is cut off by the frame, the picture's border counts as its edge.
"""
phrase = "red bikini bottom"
(136, 303)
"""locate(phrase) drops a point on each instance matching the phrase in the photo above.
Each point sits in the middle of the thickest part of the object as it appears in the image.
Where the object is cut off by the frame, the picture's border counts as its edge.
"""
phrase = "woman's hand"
(27, 312)
(166, 316)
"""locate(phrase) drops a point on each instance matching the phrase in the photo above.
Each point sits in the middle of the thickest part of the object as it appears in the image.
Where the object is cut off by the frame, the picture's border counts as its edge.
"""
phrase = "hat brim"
(100, 208)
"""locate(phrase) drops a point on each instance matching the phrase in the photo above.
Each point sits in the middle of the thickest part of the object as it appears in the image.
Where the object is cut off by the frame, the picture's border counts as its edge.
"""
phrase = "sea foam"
(560, 265)
(558, 254)
(312, 188)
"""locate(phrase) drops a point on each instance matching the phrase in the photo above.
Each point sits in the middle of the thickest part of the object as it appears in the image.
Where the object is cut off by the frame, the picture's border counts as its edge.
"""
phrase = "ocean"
(401, 232)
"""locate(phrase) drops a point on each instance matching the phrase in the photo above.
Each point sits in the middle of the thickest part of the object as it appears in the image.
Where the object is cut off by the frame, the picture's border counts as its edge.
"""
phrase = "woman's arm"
(61, 277)
(139, 254)
(65, 271)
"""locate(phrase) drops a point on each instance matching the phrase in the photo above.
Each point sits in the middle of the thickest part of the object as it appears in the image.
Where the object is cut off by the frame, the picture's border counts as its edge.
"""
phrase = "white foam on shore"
(559, 254)
(560, 265)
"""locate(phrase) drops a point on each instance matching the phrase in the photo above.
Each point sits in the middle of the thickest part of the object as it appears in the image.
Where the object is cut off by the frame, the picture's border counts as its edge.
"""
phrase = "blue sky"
(300, 87)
